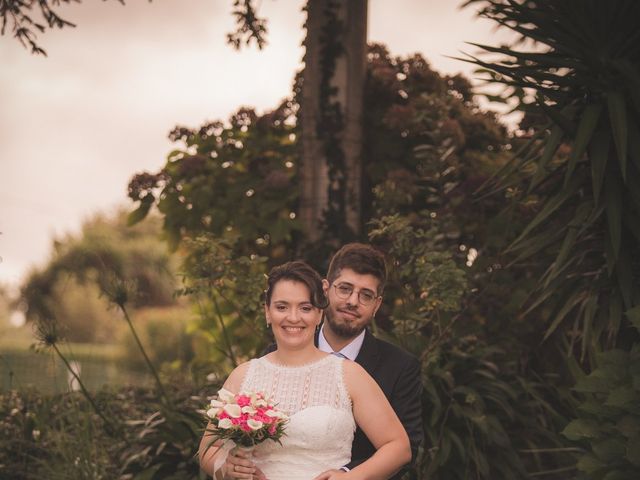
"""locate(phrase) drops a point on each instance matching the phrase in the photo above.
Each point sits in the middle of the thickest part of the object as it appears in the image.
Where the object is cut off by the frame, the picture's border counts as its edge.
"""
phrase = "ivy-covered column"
(331, 112)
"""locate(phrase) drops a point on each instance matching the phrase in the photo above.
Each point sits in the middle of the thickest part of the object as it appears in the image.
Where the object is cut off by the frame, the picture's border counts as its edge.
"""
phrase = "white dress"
(320, 430)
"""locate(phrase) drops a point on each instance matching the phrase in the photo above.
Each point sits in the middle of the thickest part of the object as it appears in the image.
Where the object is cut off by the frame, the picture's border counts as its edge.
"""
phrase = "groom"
(354, 285)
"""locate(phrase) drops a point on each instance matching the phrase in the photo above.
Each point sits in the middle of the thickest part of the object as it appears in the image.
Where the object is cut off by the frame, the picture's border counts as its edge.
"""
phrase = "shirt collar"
(350, 351)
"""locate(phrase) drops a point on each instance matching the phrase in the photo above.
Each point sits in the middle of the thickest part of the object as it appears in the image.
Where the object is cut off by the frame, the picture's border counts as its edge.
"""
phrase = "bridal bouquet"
(246, 418)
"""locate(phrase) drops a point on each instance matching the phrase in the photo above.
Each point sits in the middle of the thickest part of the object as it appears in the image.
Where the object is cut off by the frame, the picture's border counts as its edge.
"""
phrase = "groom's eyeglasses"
(365, 297)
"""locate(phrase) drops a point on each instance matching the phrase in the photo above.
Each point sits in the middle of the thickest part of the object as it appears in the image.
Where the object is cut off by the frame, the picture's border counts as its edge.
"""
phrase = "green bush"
(59, 437)
(608, 419)
(164, 333)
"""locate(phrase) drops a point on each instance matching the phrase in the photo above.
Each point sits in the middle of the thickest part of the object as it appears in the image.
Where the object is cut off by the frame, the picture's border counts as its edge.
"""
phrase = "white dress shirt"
(350, 351)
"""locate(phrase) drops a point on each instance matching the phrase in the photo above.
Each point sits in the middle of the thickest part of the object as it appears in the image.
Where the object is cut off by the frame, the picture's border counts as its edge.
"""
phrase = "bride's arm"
(378, 421)
(209, 452)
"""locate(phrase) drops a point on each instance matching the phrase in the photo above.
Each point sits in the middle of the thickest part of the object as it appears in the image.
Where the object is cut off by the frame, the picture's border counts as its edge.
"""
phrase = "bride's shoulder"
(353, 372)
(356, 378)
(235, 378)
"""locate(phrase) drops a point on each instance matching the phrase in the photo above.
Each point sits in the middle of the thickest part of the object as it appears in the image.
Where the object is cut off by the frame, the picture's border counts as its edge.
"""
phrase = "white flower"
(254, 424)
(258, 400)
(225, 395)
(225, 423)
(212, 412)
(216, 403)
(233, 410)
(276, 414)
(249, 409)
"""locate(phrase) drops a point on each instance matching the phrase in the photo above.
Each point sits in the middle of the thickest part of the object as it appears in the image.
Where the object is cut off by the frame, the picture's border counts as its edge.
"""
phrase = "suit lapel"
(369, 352)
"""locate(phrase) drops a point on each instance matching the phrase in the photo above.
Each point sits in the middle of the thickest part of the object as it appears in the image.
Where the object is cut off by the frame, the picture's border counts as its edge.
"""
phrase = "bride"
(323, 395)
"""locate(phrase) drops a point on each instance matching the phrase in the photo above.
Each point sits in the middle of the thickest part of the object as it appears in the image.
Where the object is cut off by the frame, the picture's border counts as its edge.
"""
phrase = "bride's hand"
(239, 466)
(331, 475)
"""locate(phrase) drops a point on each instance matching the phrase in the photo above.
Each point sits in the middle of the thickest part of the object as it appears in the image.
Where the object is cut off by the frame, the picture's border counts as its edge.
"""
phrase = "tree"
(24, 24)
(84, 267)
(18, 13)
(331, 119)
(579, 174)
(580, 170)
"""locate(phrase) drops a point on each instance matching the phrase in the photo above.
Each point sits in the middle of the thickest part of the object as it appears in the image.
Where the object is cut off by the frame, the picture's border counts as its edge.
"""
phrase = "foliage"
(423, 131)
(226, 287)
(82, 267)
(59, 437)
(165, 333)
(237, 177)
(24, 24)
(575, 72)
(480, 414)
(53, 437)
(428, 148)
(5, 308)
(579, 173)
(484, 421)
(430, 284)
(244, 174)
(249, 25)
(331, 124)
(164, 443)
(608, 423)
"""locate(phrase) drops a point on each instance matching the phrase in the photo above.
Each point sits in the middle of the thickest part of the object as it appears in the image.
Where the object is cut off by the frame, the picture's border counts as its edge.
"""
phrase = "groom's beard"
(343, 328)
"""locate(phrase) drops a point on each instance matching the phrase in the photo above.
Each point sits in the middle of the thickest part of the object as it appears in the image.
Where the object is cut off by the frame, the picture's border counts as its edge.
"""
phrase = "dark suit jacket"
(398, 374)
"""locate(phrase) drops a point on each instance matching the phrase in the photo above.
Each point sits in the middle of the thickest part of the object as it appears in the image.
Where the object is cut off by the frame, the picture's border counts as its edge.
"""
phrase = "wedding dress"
(320, 430)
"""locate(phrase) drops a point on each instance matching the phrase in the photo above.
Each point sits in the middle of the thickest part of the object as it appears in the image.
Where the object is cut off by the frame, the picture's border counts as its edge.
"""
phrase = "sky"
(76, 125)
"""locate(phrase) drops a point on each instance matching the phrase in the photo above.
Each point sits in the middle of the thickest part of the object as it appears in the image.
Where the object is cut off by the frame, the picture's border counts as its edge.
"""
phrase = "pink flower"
(243, 400)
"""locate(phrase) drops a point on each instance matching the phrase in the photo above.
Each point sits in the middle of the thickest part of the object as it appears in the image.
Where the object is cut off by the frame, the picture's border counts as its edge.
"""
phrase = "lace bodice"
(320, 430)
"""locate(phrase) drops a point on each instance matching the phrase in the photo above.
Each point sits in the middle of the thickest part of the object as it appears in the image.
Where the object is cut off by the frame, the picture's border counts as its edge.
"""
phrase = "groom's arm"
(406, 402)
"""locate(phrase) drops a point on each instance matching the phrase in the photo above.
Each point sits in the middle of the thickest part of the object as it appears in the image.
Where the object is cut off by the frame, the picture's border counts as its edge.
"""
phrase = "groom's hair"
(297, 271)
(362, 259)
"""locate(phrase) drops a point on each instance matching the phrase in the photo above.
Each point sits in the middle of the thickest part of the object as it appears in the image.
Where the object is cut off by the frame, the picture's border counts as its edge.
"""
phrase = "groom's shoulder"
(394, 352)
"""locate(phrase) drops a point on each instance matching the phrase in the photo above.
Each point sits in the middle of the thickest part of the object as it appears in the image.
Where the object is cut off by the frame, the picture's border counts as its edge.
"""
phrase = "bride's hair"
(297, 271)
